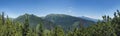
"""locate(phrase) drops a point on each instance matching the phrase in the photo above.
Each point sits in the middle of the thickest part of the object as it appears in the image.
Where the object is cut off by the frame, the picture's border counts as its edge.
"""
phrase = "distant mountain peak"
(88, 18)
(57, 15)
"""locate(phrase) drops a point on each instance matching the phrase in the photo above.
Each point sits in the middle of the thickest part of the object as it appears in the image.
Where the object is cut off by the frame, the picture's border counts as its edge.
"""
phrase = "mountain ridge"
(52, 20)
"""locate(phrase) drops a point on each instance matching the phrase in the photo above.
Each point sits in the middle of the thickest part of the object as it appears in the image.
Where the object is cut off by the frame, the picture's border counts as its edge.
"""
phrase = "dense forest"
(107, 27)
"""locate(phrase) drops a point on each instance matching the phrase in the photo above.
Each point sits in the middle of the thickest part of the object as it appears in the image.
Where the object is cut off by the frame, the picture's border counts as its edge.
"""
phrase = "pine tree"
(3, 20)
(26, 26)
(116, 22)
(58, 31)
(70, 33)
(39, 29)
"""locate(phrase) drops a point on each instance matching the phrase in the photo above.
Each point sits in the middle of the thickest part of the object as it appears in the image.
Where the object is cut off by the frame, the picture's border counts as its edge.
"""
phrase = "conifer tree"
(58, 31)
(26, 26)
(3, 20)
(39, 29)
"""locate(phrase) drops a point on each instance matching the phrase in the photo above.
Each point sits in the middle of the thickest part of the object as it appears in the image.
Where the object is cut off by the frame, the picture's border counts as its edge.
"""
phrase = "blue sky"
(89, 8)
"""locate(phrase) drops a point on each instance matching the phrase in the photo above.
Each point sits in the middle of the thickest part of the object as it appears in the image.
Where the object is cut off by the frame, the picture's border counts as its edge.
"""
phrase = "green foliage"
(58, 31)
(107, 27)
(39, 30)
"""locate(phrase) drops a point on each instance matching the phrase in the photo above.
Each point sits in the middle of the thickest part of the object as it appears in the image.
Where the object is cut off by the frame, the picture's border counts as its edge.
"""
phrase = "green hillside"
(49, 21)
(67, 21)
(35, 20)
